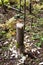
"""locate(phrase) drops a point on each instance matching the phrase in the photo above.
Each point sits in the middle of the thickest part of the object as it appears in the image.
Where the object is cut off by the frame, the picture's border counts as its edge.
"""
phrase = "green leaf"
(36, 36)
(42, 39)
(27, 28)
(3, 32)
(38, 44)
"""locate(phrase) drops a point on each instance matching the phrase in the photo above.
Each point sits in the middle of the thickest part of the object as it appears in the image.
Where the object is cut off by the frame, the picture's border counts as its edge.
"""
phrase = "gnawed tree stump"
(20, 36)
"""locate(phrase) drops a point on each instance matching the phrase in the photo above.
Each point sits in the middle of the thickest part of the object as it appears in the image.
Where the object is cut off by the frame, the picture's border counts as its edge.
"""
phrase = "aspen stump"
(20, 36)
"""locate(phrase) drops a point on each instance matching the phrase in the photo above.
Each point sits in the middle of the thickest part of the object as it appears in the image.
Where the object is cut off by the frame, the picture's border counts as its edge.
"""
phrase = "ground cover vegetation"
(33, 35)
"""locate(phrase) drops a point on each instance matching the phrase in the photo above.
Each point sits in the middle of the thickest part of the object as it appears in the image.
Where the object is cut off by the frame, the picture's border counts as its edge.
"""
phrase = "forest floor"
(7, 57)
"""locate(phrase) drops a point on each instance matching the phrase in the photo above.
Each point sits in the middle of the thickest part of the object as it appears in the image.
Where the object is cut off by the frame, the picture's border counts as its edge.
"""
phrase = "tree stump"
(20, 36)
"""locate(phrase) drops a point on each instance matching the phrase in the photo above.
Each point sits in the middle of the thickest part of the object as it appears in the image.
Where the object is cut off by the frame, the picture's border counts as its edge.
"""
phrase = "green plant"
(2, 33)
(27, 28)
(17, 45)
(36, 36)
(4, 48)
(38, 44)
